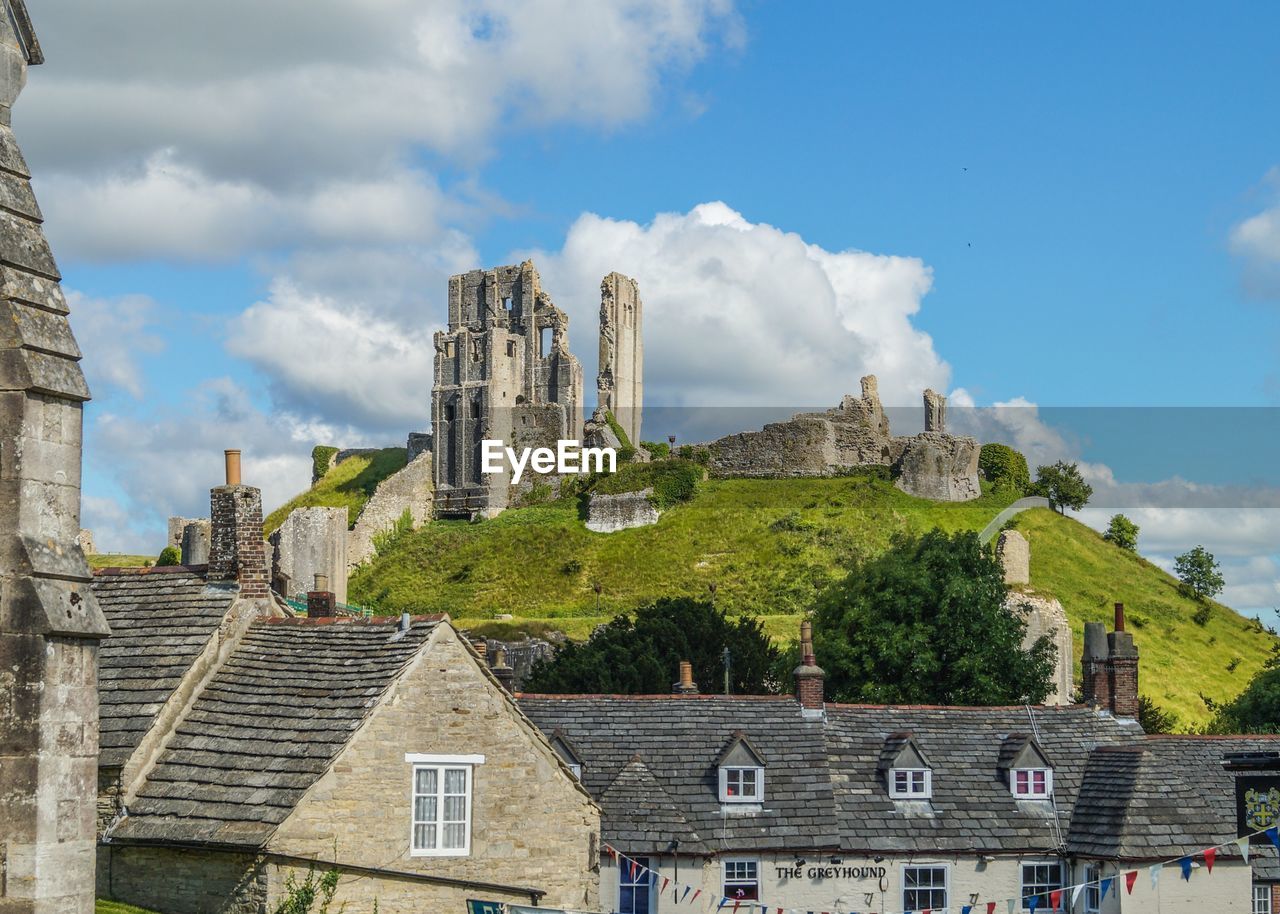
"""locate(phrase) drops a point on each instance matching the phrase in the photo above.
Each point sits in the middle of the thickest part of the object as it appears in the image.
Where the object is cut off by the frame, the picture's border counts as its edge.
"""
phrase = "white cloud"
(113, 333)
(741, 313)
(209, 130)
(1256, 241)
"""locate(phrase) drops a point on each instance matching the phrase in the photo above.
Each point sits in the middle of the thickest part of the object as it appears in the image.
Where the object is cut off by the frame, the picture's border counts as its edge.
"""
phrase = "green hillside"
(348, 485)
(768, 546)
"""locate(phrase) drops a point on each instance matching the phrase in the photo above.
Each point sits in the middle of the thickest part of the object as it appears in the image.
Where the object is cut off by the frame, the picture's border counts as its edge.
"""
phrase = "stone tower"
(503, 371)
(620, 380)
(49, 621)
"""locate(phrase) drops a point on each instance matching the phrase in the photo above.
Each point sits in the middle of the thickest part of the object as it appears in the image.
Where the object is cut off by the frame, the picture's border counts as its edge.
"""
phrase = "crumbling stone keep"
(620, 379)
(195, 542)
(1014, 553)
(935, 411)
(503, 371)
(50, 622)
(310, 542)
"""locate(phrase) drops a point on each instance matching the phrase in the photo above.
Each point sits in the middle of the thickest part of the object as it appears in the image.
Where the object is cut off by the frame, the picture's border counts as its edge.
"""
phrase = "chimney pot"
(685, 685)
(321, 582)
(1119, 617)
(505, 675)
(809, 676)
(233, 467)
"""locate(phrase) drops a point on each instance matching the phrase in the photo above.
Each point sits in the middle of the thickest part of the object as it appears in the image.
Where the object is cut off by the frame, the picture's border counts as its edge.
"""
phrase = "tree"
(1197, 569)
(1153, 718)
(926, 622)
(169, 555)
(1005, 468)
(1257, 708)
(1063, 485)
(1123, 532)
(642, 655)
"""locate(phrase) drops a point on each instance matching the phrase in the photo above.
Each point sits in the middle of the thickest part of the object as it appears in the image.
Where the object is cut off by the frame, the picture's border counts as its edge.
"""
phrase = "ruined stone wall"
(180, 881)
(88, 545)
(311, 541)
(49, 619)
(196, 540)
(532, 825)
(610, 513)
(620, 379)
(177, 525)
(937, 466)
(406, 490)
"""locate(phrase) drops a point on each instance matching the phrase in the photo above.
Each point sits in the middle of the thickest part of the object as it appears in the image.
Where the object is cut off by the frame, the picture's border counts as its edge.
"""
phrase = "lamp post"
(597, 587)
(671, 440)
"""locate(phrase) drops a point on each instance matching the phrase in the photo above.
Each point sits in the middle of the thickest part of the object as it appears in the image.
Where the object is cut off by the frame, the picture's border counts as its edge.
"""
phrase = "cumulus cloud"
(739, 313)
(113, 334)
(251, 120)
(1256, 241)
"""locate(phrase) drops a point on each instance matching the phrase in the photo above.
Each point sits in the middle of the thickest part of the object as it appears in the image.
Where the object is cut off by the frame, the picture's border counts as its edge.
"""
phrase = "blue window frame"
(635, 893)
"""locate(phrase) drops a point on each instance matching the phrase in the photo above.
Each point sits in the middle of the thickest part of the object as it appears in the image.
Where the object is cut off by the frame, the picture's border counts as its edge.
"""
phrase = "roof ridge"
(124, 571)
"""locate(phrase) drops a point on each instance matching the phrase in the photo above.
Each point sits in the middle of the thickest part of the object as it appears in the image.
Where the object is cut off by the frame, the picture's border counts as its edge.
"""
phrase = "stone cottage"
(245, 746)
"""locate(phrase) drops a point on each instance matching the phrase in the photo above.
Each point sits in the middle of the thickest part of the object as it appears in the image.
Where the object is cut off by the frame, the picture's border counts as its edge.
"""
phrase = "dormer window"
(906, 771)
(567, 751)
(1032, 783)
(1025, 768)
(741, 770)
(910, 783)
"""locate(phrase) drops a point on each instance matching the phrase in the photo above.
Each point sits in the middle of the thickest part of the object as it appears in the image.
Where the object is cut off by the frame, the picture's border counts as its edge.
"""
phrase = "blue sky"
(1062, 206)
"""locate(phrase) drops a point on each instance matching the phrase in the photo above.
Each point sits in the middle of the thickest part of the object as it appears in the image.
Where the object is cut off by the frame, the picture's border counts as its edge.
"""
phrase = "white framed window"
(741, 879)
(1092, 888)
(1262, 898)
(924, 887)
(1038, 880)
(1031, 783)
(635, 886)
(441, 787)
(741, 785)
(910, 783)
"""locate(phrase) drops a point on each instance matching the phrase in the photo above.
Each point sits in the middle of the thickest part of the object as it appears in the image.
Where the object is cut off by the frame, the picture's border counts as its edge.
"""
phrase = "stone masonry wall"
(532, 825)
(312, 541)
(179, 881)
(406, 490)
(610, 513)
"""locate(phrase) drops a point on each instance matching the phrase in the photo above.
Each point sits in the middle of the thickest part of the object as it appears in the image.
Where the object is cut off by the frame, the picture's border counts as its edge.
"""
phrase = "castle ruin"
(50, 622)
(503, 370)
(620, 379)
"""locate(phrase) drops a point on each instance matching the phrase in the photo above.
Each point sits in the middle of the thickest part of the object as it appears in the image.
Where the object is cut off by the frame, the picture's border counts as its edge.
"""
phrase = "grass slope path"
(348, 485)
(770, 546)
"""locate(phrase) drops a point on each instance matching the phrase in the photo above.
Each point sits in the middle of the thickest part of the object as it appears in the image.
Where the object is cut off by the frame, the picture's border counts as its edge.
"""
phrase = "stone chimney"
(321, 602)
(237, 551)
(809, 676)
(685, 684)
(1110, 668)
(505, 674)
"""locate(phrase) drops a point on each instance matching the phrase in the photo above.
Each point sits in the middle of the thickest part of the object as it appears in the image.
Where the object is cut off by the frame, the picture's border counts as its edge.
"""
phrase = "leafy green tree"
(1063, 485)
(1123, 532)
(1005, 468)
(642, 655)
(925, 622)
(1197, 569)
(1256, 709)
(1153, 718)
(169, 555)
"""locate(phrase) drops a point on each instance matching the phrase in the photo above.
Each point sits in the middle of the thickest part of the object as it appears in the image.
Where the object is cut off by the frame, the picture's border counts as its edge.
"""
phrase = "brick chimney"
(237, 551)
(506, 676)
(1110, 668)
(321, 603)
(685, 684)
(809, 676)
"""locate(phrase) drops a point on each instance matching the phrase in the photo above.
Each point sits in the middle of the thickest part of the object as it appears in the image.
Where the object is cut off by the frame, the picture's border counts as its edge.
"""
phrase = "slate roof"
(160, 618)
(1164, 798)
(822, 786)
(266, 727)
(678, 739)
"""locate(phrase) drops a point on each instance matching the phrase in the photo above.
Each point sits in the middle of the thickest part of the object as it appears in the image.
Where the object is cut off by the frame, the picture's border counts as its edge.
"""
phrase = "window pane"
(424, 809)
(455, 809)
(455, 780)
(426, 780)
(424, 837)
(455, 836)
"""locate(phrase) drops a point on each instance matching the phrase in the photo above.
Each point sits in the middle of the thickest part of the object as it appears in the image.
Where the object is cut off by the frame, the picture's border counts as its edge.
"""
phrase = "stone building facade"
(503, 371)
(50, 623)
(620, 379)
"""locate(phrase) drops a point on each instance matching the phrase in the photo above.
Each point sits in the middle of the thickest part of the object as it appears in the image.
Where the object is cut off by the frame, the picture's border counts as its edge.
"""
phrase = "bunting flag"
(1185, 863)
(665, 882)
(723, 902)
(686, 894)
(1075, 893)
(1055, 899)
(1013, 903)
(696, 893)
(991, 907)
(1274, 835)
(1155, 875)
(1129, 879)
(1106, 887)
(1243, 844)
(967, 909)
(1033, 902)
(1210, 855)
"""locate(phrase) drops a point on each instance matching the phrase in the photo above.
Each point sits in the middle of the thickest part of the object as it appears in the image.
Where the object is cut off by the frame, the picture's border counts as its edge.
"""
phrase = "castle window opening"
(511, 348)
(544, 341)
(476, 351)
(475, 409)
(506, 302)
(448, 349)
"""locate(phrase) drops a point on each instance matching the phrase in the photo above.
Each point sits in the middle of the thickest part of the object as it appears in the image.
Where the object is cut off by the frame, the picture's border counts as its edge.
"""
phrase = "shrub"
(657, 449)
(1005, 468)
(1153, 718)
(1123, 532)
(169, 555)
(672, 481)
(626, 450)
(321, 456)
(699, 455)
(539, 493)
(1201, 615)
(301, 897)
(382, 542)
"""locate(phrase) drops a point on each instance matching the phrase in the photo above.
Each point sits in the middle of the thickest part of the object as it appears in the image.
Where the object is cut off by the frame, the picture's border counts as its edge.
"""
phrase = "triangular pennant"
(1129, 879)
(1155, 875)
(1274, 835)
(665, 882)
(1033, 902)
(1209, 857)
(723, 902)
(1243, 844)
(1013, 903)
(991, 907)
(1106, 887)
(1075, 893)
(1055, 899)
(967, 909)
(696, 893)
(1185, 863)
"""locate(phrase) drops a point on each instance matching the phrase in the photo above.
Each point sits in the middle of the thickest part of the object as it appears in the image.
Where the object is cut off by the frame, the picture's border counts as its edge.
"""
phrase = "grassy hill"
(768, 546)
(348, 485)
